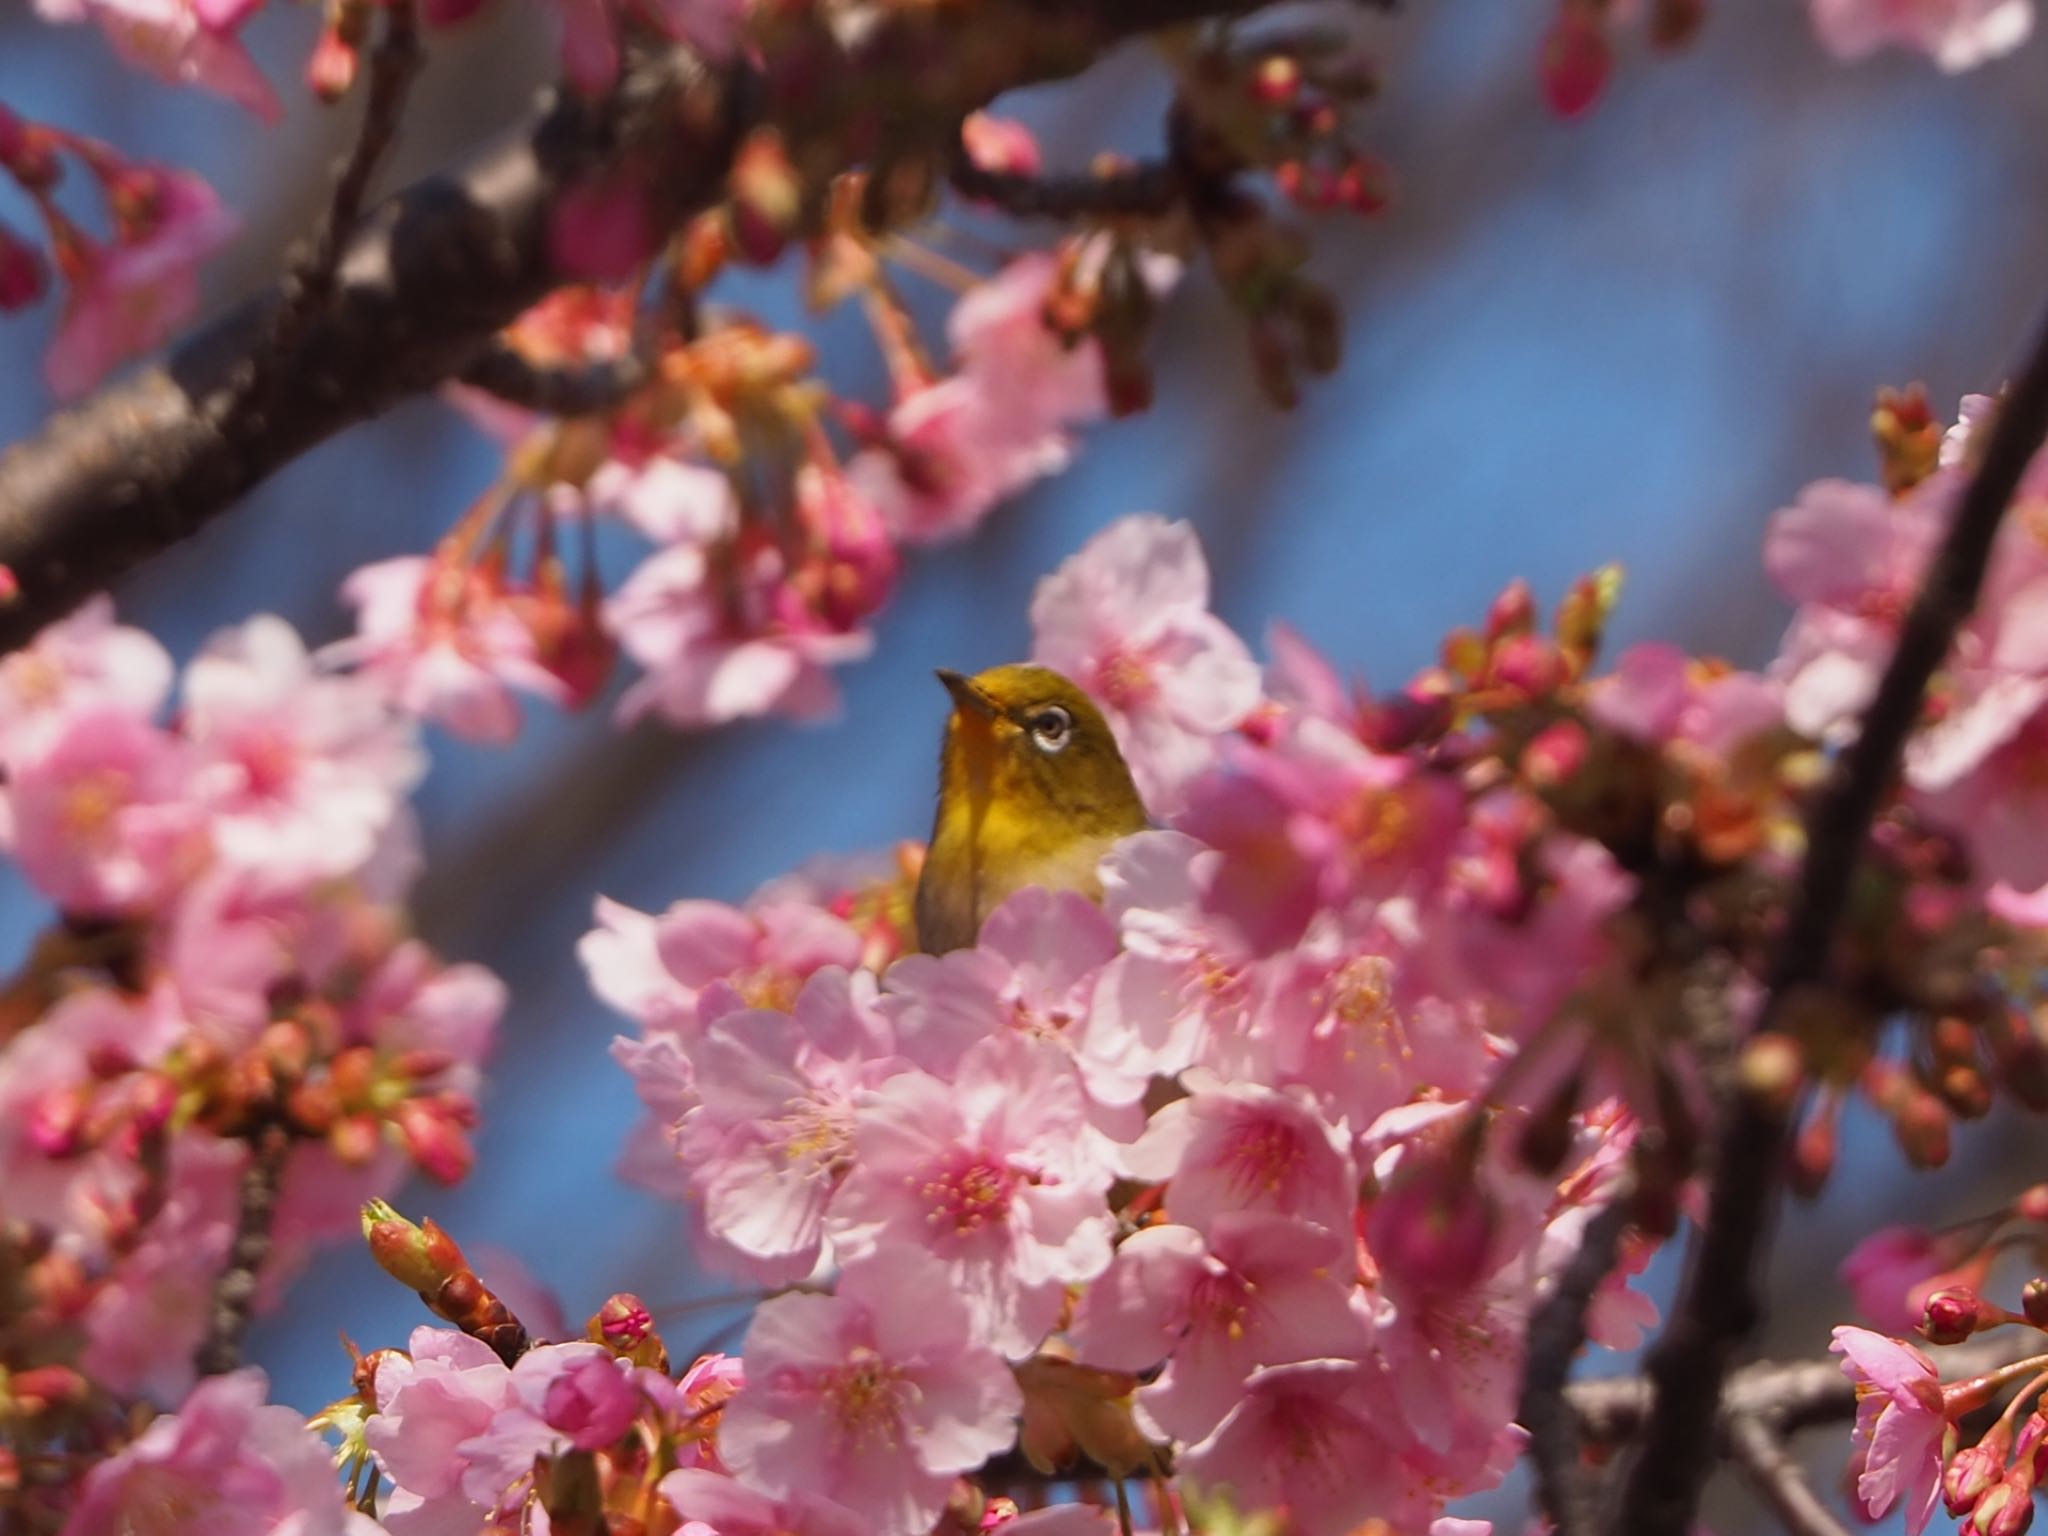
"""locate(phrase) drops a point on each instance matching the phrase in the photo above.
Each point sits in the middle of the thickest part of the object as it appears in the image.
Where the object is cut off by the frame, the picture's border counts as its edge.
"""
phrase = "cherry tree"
(1283, 1188)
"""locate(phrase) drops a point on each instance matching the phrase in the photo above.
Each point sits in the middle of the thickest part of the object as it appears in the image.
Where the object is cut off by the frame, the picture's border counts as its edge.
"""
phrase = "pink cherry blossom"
(144, 1324)
(1183, 978)
(1245, 1147)
(772, 1134)
(1128, 619)
(1032, 970)
(875, 1397)
(187, 42)
(227, 1463)
(950, 457)
(99, 815)
(127, 297)
(1303, 1438)
(712, 1505)
(82, 660)
(454, 660)
(563, 1396)
(1315, 821)
(726, 639)
(1956, 34)
(1000, 336)
(621, 958)
(1261, 1291)
(1657, 695)
(997, 1173)
(301, 773)
(1900, 1422)
(430, 1403)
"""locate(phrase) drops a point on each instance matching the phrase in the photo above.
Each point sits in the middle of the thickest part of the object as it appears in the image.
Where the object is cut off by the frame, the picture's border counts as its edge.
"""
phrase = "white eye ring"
(1051, 728)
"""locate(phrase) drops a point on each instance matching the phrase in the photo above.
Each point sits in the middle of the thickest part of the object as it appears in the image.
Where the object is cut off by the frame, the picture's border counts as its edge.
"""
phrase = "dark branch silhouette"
(1718, 1306)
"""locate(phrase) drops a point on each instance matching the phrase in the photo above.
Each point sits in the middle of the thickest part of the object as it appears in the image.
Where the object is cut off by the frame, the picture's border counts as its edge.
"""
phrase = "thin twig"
(1718, 1307)
(234, 1292)
(1151, 189)
(309, 283)
(1555, 1335)
(588, 390)
(1788, 1395)
(1755, 1448)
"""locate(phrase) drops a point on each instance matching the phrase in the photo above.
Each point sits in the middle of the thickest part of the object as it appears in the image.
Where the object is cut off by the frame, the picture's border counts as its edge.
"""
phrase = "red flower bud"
(2034, 1301)
(1952, 1314)
(422, 1257)
(1577, 62)
(1973, 1472)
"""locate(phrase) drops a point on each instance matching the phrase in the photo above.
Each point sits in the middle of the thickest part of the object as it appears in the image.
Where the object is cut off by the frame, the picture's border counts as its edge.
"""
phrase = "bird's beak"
(969, 699)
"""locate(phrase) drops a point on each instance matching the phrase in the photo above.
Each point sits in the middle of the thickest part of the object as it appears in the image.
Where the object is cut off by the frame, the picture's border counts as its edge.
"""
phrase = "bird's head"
(1026, 745)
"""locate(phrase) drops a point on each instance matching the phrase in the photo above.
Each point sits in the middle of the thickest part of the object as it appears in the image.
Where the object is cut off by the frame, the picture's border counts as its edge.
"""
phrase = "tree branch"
(234, 1292)
(425, 283)
(502, 371)
(1719, 1307)
(308, 286)
(1779, 1478)
(1555, 1334)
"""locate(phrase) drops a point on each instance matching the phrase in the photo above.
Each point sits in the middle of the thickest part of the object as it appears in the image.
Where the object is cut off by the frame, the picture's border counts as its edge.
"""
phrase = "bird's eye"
(1051, 727)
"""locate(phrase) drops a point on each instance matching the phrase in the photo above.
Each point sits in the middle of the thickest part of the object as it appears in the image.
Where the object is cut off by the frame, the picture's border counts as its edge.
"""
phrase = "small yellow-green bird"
(1032, 791)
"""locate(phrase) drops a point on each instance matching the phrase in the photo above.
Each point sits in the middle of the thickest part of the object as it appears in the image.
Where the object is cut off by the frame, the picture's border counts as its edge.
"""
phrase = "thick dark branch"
(433, 274)
(1755, 1448)
(234, 1293)
(586, 391)
(1719, 1307)
(1148, 190)
(421, 286)
(1555, 1335)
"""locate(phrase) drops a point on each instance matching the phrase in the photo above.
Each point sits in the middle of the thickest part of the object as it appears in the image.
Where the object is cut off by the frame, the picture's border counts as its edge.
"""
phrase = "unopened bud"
(332, 68)
(1924, 1126)
(2032, 1203)
(1513, 612)
(434, 1139)
(1952, 1314)
(1974, 1471)
(2007, 1510)
(421, 1256)
(364, 1379)
(2034, 1301)
(625, 1327)
(43, 1388)
(1577, 61)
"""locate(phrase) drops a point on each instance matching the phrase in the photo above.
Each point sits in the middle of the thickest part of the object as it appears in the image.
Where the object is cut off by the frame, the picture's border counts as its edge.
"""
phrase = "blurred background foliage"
(1630, 337)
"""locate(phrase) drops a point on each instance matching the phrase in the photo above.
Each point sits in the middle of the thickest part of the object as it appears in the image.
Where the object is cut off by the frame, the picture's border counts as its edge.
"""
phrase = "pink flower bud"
(1972, 1472)
(1952, 1314)
(2032, 1204)
(434, 1139)
(1577, 61)
(593, 1404)
(2007, 1510)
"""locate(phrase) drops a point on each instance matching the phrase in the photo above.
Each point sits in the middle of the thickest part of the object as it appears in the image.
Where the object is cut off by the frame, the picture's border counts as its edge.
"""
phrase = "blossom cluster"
(1908, 1450)
(227, 994)
(1257, 1169)
(772, 549)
